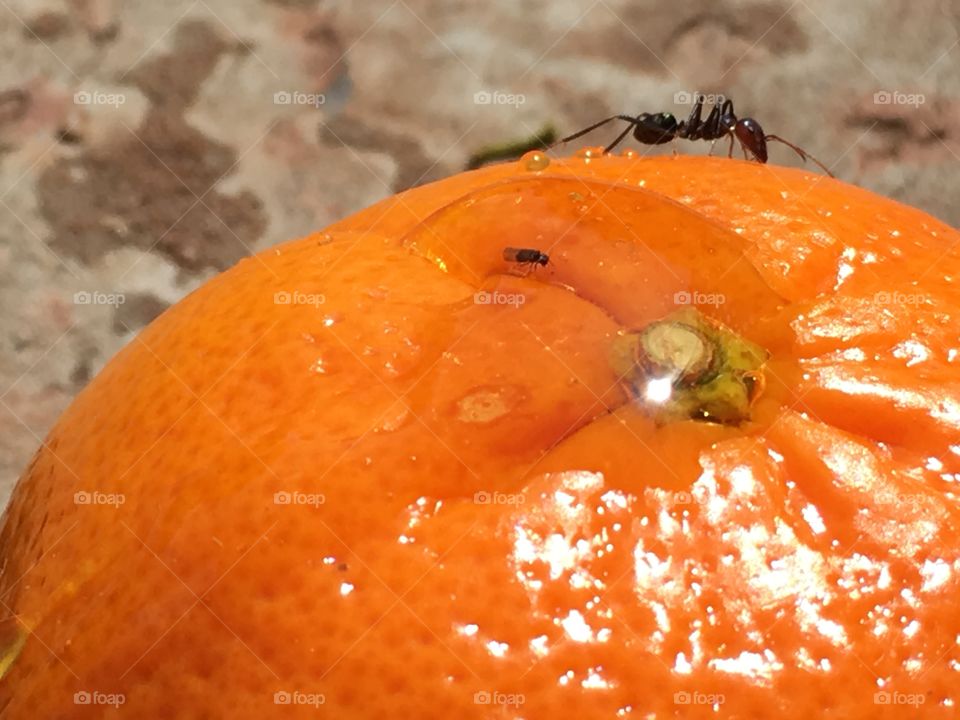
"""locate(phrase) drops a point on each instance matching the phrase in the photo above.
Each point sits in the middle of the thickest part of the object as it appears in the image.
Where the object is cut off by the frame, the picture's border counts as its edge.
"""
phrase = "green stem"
(545, 137)
(687, 366)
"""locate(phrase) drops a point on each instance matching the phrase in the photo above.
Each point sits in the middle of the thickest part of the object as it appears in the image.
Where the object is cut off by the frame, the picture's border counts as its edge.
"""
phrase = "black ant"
(660, 128)
(526, 257)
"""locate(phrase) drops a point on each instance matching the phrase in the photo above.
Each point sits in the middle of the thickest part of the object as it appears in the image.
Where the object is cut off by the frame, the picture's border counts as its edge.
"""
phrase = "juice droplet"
(535, 160)
(589, 153)
(630, 154)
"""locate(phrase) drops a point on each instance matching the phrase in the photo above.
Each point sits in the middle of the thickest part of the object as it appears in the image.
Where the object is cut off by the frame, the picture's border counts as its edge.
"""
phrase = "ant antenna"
(802, 153)
(631, 120)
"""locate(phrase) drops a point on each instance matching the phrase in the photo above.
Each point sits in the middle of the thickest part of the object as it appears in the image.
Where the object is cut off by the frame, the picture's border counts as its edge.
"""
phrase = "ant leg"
(712, 145)
(519, 270)
(530, 267)
(593, 127)
(619, 139)
(693, 119)
(730, 149)
(709, 129)
(803, 155)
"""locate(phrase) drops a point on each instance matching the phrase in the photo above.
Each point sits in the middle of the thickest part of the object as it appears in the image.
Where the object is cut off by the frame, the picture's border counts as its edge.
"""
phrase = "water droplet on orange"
(535, 160)
(589, 153)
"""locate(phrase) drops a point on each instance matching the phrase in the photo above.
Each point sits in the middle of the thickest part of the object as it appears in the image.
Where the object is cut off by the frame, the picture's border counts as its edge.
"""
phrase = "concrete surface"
(145, 146)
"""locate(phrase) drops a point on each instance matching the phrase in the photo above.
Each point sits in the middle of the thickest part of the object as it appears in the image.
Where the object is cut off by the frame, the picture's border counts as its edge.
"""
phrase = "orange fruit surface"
(380, 472)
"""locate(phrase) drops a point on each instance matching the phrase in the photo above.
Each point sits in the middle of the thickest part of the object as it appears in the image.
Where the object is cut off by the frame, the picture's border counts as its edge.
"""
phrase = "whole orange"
(381, 471)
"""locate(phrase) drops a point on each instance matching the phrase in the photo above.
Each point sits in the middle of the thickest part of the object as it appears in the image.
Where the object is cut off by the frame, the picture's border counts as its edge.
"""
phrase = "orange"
(382, 472)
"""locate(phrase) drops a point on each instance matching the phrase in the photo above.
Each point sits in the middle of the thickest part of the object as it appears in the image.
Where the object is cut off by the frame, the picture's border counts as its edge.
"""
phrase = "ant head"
(751, 137)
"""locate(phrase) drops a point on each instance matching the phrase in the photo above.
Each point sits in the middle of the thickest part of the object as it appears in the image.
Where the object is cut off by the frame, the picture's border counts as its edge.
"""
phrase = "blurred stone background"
(146, 146)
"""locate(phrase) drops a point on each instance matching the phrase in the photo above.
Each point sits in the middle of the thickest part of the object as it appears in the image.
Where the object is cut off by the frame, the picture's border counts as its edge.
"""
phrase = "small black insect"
(526, 256)
(660, 128)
